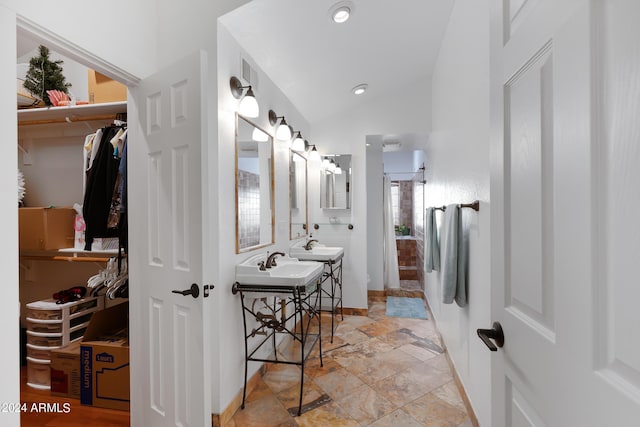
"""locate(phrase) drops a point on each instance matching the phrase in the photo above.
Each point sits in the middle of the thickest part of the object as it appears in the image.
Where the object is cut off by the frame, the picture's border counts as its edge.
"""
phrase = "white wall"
(346, 133)
(269, 97)
(458, 172)
(375, 253)
(10, 310)
(419, 159)
(129, 42)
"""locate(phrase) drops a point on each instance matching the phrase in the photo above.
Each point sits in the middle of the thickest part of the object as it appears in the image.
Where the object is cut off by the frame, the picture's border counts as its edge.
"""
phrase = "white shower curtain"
(391, 272)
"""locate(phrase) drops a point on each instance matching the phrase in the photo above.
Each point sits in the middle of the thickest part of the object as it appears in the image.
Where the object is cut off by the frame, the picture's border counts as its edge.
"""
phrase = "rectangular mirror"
(254, 186)
(298, 217)
(335, 182)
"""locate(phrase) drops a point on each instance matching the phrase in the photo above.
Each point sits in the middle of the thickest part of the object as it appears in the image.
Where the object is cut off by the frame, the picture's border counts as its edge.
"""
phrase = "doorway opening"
(405, 169)
(50, 143)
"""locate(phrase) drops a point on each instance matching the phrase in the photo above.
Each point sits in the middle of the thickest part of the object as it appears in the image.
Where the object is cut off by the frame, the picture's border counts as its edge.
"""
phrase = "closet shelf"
(71, 114)
(69, 254)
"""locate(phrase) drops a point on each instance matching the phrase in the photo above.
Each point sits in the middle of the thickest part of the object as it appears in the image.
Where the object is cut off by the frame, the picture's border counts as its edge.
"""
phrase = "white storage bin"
(38, 373)
(56, 325)
(44, 326)
(39, 339)
(44, 314)
(41, 353)
(49, 310)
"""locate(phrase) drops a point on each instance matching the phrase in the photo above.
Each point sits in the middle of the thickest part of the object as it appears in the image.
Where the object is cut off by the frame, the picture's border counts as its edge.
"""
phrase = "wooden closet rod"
(64, 120)
(63, 258)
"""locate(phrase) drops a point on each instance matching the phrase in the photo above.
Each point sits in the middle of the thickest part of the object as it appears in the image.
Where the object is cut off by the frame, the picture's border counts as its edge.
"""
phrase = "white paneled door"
(171, 381)
(566, 240)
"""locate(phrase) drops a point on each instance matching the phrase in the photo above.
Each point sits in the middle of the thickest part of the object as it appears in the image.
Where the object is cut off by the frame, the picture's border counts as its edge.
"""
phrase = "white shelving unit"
(51, 326)
(71, 114)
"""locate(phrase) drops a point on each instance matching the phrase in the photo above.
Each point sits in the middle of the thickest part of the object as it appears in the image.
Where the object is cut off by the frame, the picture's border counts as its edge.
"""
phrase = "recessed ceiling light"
(341, 14)
(360, 89)
(341, 11)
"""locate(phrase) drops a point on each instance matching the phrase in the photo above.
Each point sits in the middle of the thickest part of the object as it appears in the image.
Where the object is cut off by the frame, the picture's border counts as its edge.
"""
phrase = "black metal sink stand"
(275, 321)
(333, 273)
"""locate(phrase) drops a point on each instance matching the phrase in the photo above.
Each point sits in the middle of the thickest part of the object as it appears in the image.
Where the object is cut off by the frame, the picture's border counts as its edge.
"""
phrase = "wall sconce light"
(284, 131)
(332, 166)
(325, 163)
(298, 143)
(248, 105)
(338, 170)
(314, 156)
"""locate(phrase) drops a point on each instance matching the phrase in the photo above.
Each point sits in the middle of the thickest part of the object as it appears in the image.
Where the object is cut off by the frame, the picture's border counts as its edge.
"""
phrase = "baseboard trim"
(222, 420)
(461, 390)
(395, 293)
(404, 293)
(355, 311)
(376, 294)
(456, 377)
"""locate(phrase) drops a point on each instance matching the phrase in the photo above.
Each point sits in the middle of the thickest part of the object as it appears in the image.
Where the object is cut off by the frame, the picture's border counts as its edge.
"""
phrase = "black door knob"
(194, 291)
(495, 334)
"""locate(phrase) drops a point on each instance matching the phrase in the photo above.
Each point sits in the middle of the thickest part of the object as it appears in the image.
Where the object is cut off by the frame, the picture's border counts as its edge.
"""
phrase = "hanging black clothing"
(101, 180)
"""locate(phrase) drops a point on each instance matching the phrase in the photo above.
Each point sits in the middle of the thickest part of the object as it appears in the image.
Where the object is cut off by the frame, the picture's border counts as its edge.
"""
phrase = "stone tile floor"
(379, 371)
(411, 285)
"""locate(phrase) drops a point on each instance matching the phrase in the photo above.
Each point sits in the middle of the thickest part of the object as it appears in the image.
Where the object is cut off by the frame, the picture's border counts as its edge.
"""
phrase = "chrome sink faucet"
(271, 259)
(309, 244)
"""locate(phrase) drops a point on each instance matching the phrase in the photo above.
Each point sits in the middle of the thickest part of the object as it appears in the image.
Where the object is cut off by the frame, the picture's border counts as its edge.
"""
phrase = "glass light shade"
(325, 163)
(360, 89)
(298, 143)
(283, 133)
(338, 170)
(259, 136)
(249, 106)
(314, 156)
(341, 15)
(332, 166)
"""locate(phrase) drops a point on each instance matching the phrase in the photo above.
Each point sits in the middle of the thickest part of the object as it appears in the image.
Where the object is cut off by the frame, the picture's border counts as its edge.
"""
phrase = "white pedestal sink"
(287, 273)
(318, 252)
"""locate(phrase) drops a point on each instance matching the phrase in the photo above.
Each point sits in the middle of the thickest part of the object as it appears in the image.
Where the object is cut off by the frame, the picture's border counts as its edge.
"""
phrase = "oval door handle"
(194, 291)
(495, 334)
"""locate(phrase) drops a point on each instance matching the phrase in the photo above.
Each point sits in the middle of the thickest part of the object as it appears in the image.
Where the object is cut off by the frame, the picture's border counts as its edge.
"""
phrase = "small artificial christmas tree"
(44, 75)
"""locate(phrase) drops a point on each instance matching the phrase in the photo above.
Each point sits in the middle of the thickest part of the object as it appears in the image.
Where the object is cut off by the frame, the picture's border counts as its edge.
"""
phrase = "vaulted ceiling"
(316, 62)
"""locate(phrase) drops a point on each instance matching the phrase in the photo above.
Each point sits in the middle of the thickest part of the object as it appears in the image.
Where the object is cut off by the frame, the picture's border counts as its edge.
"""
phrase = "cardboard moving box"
(103, 89)
(65, 371)
(104, 360)
(46, 228)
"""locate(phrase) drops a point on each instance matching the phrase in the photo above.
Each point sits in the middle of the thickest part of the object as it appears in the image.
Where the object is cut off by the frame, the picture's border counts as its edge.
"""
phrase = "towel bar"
(475, 206)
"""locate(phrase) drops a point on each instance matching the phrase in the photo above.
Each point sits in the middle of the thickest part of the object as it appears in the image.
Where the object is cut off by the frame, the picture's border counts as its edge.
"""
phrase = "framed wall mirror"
(335, 181)
(298, 217)
(254, 187)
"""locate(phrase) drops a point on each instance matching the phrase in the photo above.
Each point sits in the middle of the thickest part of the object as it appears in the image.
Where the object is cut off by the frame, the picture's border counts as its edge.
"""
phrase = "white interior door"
(169, 345)
(564, 214)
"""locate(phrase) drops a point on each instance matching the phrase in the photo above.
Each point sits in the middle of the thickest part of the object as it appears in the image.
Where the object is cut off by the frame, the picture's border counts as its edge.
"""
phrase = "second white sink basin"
(317, 253)
(287, 272)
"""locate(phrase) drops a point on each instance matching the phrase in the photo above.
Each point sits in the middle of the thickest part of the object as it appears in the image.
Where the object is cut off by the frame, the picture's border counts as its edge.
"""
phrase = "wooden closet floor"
(78, 416)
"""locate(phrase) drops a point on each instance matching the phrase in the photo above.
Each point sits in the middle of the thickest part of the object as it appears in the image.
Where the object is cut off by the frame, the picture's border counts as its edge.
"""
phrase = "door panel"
(529, 143)
(520, 412)
(166, 230)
